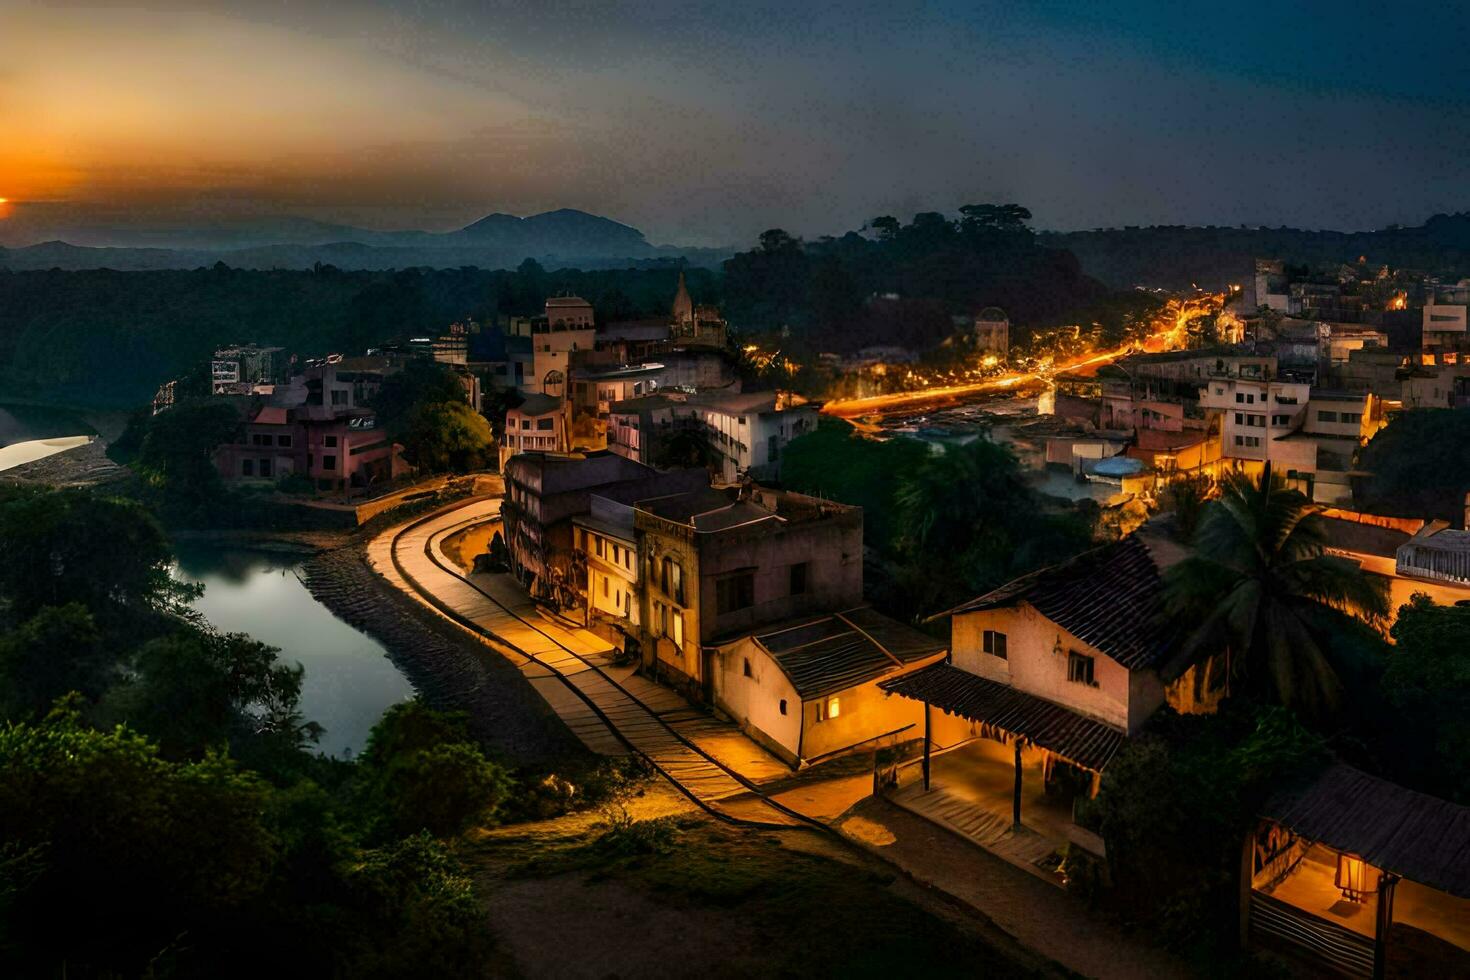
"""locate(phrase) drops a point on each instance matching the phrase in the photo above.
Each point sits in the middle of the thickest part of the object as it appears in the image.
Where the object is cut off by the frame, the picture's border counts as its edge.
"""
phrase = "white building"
(568, 328)
(748, 431)
(1445, 325)
(604, 543)
(542, 423)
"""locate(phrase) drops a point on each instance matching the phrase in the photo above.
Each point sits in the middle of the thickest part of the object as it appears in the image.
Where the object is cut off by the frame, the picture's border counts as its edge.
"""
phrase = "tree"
(197, 690)
(424, 773)
(448, 436)
(886, 226)
(1263, 595)
(105, 553)
(682, 447)
(150, 854)
(421, 382)
(176, 454)
(1418, 466)
(56, 651)
(1428, 683)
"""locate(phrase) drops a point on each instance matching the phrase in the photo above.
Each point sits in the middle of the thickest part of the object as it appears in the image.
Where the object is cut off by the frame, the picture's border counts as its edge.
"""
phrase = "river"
(349, 680)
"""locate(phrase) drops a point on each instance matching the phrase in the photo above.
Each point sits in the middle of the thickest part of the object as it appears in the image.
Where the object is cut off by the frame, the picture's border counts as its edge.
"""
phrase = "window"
(1326, 416)
(330, 442)
(1250, 442)
(748, 672)
(265, 467)
(830, 708)
(734, 593)
(1256, 421)
(783, 706)
(545, 424)
(678, 618)
(604, 586)
(329, 462)
(798, 578)
(672, 581)
(1079, 668)
(599, 548)
(525, 424)
(1244, 398)
(1281, 420)
(283, 441)
(1352, 418)
(1219, 390)
(247, 467)
(993, 642)
(339, 397)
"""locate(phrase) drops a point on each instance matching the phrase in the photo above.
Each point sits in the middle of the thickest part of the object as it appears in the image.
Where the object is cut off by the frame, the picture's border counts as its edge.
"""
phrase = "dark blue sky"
(708, 123)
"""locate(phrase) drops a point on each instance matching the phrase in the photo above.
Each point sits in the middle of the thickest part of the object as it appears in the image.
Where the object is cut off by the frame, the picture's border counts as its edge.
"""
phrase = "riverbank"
(450, 670)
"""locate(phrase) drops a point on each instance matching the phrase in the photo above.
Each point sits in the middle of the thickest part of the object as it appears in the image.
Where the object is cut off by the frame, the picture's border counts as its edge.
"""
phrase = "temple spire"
(683, 305)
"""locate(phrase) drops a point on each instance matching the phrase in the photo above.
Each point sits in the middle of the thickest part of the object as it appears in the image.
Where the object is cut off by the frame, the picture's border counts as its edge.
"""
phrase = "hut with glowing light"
(1361, 877)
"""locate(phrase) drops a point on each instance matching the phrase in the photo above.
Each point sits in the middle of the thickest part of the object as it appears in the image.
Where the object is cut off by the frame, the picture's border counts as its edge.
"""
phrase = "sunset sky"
(704, 124)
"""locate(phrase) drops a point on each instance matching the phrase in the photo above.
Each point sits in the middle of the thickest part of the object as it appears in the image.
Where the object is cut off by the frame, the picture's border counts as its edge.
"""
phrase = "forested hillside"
(108, 339)
(1174, 256)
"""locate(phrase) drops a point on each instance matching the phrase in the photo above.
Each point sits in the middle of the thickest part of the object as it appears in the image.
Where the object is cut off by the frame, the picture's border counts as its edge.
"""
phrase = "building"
(1269, 286)
(314, 428)
(566, 330)
(719, 564)
(245, 369)
(635, 426)
(540, 424)
(697, 326)
(595, 391)
(1047, 676)
(1444, 326)
(808, 689)
(1355, 876)
(1438, 553)
(747, 432)
(544, 492)
(993, 331)
(604, 546)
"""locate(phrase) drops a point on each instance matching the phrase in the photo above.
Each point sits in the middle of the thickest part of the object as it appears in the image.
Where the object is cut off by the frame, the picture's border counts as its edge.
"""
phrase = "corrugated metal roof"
(1420, 837)
(1085, 742)
(838, 651)
(1109, 597)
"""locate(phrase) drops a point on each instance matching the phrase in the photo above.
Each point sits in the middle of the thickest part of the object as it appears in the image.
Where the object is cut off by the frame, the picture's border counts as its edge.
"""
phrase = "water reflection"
(349, 681)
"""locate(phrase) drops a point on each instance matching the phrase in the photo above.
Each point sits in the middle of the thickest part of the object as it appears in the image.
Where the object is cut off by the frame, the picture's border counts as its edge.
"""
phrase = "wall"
(1033, 667)
(866, 714)
(755, 702)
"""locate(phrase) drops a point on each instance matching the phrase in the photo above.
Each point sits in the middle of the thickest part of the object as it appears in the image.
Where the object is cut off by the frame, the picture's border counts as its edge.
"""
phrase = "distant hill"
(561, 238)
(1174, 256)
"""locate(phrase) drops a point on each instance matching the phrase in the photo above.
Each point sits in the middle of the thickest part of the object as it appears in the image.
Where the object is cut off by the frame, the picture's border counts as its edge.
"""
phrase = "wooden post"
(927, 743)
(1016, 799)
(1384, 923)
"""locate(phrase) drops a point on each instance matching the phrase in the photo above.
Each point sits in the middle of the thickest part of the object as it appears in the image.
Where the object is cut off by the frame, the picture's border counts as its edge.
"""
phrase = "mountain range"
(561, 238)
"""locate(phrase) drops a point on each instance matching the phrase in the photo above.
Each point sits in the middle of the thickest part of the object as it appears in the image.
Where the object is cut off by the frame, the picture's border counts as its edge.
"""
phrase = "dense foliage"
(160, 810)
(900, 284)
(1178, 803)
(1419, 466)
(1428, 684)
(1260, 594)
(448, 437)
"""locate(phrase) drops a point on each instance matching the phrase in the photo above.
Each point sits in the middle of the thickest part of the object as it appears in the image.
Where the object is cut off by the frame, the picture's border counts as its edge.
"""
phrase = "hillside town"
(636, 528)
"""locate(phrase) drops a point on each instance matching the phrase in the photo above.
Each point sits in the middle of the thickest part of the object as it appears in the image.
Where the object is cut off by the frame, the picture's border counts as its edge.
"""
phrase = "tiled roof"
(838, 651)
(1109, 597)
(1420, 837)
(1085, 742)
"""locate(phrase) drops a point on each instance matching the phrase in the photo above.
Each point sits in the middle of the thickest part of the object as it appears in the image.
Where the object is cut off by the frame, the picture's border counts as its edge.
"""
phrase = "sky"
(708, 123)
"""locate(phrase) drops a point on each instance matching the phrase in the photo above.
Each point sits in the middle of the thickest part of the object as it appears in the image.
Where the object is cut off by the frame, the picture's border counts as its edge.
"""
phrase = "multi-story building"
(595, 391)
(747, 432)
(1445, 326)
(540, 424)
(719, 563)
(544, 492)
(566, 330)
(605, 546)
(247, 369)
(314, 428)
(635, 426)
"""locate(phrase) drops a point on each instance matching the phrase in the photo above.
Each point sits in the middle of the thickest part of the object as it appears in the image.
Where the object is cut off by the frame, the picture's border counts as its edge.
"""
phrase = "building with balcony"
(539, 424)
(747, 432)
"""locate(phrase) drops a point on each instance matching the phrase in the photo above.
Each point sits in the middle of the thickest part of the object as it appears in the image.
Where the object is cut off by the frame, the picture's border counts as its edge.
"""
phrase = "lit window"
(678, 628)
(834, 708)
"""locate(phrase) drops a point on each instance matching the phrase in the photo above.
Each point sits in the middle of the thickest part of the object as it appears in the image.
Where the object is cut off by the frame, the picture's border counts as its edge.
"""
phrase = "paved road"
(570, 668)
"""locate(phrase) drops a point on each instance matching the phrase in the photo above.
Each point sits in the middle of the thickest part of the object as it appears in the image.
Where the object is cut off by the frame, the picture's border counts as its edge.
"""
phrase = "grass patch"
(813, 914)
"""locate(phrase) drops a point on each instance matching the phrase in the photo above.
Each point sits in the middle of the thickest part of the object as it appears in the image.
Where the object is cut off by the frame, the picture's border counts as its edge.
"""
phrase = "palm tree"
(1264, 593)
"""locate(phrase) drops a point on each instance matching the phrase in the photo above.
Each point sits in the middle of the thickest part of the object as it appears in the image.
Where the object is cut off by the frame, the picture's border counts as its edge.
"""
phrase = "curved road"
(566, 667)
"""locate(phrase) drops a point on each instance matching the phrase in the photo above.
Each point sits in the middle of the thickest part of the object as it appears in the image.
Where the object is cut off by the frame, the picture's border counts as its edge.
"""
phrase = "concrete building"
(248, 369)
(1269, 286)
(541, 424)
(311, 427)
(1445, 326)
(595, 391)
(604, 545)
(566, 330)
(1438, 553)
(808, 689)
(544, 492)
(718, 564)
(635, 426)
(747, 432)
